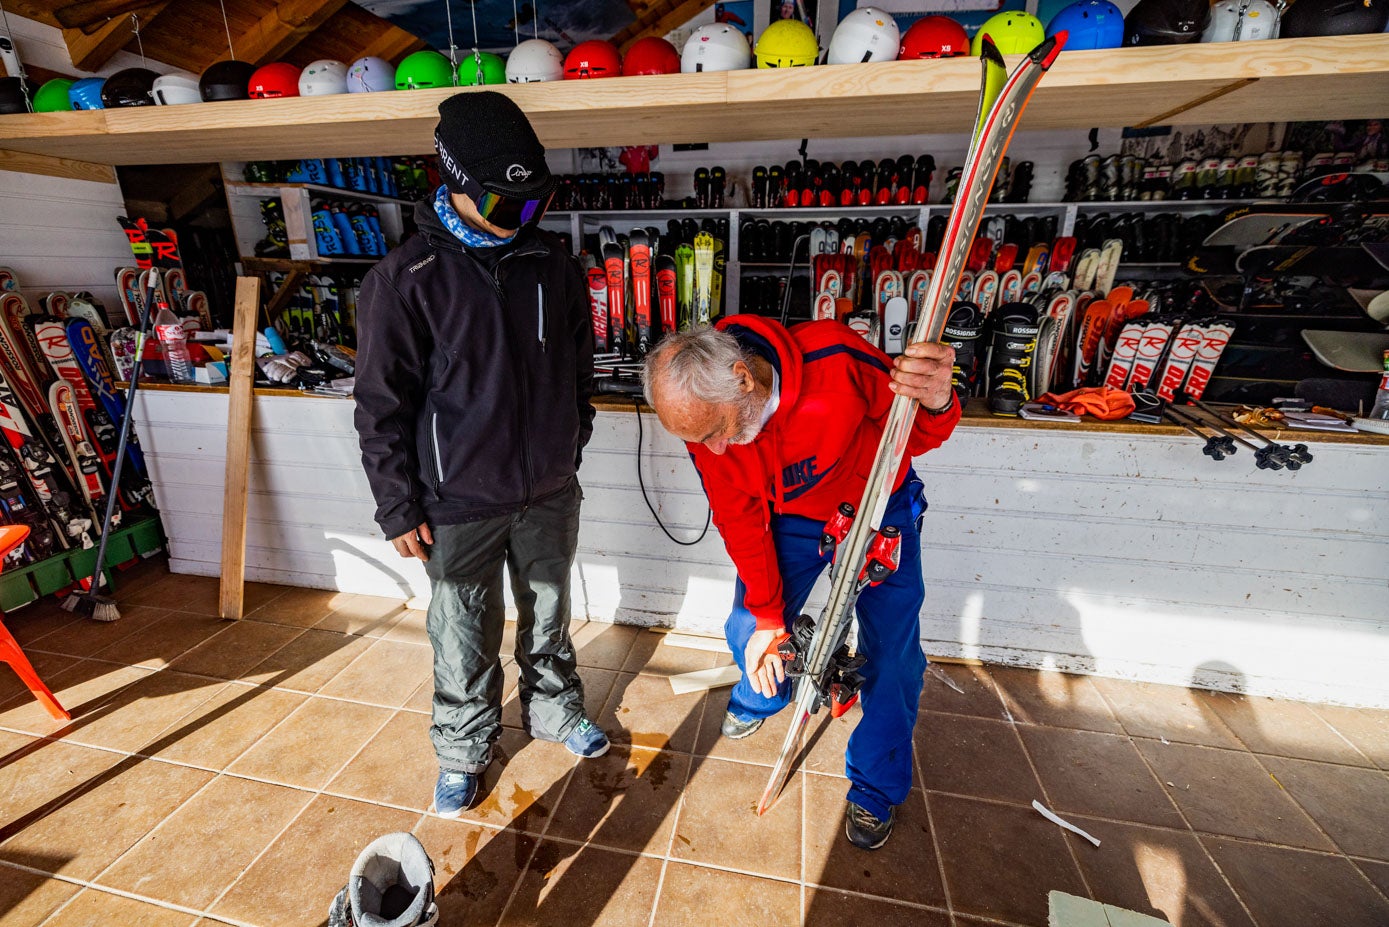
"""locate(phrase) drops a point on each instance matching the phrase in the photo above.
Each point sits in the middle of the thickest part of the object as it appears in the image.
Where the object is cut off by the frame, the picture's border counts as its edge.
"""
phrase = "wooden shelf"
(1340, 77)
(318, 190)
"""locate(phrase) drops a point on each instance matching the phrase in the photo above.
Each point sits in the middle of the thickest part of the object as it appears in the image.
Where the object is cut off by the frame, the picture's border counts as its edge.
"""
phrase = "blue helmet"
(86, 93)
(1091, 24)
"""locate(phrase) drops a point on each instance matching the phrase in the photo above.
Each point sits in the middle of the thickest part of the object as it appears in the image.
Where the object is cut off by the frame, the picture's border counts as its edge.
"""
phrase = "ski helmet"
(715, 47)
(1166, 22)
(1335, 17)
(594, 58)
(651, 55)
(491, 67)
(322, 78)
(277, 79)
(86, 93)
(422, 70)
(52, 97)
(532, 61)
(370, 75)
(787, 43)
(14, 95)
(866, 34)
(1241, 21)
(1091, 24)
(934, 37)
(1013, 31)
(226, 80)
(129, 87)
(173, 89)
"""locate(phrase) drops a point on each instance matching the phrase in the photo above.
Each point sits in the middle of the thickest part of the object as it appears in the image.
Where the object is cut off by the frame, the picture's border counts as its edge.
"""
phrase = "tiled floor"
(229, 773)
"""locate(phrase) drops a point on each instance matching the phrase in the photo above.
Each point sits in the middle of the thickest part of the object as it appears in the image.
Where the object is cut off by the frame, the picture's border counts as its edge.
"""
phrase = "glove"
(282, 368)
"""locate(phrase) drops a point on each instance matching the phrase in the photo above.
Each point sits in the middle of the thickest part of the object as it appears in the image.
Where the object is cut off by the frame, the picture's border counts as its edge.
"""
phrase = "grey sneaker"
(864, 830)
(735, 728)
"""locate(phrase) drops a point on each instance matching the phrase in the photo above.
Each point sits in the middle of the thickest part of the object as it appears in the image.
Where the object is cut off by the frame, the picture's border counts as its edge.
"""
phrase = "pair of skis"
(867, 551)
(638, 293)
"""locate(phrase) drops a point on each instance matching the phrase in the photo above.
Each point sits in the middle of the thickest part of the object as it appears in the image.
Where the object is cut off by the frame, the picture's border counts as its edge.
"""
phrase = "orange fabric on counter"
(1103, 402)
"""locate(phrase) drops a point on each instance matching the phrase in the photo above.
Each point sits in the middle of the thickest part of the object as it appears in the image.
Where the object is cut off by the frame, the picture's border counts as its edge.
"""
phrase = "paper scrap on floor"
(1065, 910)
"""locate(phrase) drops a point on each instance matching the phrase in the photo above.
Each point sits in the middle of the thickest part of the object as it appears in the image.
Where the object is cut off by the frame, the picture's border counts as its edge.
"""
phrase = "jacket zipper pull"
(540, 314)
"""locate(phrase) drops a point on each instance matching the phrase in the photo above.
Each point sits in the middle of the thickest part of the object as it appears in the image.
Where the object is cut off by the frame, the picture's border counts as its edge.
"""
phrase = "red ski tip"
(1046, 52)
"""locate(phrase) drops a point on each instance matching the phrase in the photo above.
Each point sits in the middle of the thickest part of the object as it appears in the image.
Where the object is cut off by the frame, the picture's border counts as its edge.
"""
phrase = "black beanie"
(482, 134)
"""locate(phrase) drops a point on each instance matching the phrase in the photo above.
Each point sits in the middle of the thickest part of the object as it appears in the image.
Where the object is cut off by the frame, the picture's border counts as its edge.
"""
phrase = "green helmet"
(492, 67)
(52, 97)
(423, 69)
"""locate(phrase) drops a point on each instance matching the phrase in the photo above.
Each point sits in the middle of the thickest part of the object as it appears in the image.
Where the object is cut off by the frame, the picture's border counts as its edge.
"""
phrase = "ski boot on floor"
(391, 885)
(962, 329)
(1014, 339)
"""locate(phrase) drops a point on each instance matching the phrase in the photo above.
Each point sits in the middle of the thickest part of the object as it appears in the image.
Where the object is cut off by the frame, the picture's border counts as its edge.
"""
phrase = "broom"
(91, 603)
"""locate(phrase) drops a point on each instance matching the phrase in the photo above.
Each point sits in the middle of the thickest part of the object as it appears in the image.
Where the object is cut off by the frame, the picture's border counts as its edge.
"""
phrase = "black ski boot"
(1014, 340)
(962, 330)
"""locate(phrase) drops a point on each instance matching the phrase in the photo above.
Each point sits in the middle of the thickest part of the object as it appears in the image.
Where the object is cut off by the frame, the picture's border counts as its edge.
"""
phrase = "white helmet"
(323, 78)
(370, 75)
(866, 34)
(716, 47)
(1241, 21)
(172, 89)
(532, 61)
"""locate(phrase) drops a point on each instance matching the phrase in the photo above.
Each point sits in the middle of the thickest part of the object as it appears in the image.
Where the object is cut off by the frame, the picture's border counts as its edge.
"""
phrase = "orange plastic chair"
(11, 536)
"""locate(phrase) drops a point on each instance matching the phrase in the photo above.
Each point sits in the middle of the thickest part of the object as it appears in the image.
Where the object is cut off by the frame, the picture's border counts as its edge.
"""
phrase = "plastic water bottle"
(171, 335)
(1381, 407)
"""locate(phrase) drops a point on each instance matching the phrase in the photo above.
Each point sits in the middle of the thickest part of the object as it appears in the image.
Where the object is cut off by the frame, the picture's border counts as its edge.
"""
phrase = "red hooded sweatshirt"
(816, 450)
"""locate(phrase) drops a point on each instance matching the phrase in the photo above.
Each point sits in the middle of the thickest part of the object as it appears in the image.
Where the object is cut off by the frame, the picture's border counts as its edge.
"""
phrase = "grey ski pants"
(465, 623)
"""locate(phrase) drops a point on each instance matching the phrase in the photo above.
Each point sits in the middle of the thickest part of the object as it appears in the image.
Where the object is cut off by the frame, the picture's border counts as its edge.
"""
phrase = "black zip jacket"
(474, 374)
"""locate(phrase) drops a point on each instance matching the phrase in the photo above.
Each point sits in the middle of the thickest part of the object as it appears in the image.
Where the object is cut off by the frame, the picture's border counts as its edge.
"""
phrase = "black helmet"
(1166, 22)
(1334, 17)
(226, 80)
(130, 87)
(15, 96)
(1339, 188)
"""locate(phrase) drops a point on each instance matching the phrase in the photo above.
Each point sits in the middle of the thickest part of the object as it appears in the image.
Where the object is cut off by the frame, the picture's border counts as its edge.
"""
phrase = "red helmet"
(651, 55)
(934, 37)
(594, 58)
(278, 79)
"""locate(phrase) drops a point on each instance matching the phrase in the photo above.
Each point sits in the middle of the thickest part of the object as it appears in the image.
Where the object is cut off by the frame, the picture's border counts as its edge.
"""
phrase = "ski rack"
(1000, 108)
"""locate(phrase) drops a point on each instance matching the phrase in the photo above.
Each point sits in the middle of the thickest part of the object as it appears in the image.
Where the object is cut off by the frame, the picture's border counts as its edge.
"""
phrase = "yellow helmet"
(787, 43)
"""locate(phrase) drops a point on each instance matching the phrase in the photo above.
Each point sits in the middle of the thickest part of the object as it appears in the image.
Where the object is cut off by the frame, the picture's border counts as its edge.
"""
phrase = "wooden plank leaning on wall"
(239, 408)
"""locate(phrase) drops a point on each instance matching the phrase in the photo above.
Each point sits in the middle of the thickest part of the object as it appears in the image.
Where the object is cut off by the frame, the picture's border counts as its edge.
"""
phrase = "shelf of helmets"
(1339, 77)
(582, 223)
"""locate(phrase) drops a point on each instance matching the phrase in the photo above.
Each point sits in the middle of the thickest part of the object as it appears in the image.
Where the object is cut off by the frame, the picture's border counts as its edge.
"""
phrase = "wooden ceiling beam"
(91, 51)
(392, 43)
(87, 13)
(660, 20)
(286, 25)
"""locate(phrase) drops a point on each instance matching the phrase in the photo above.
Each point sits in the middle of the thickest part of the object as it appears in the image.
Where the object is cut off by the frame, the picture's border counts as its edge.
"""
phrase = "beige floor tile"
(47, 665)
(225, 726)
(308, 662)
(827, 908)
(1054, 699)
(1367, 728)
(36, 772)
(1293, 888)
(36, 619)
(720, 811)
(84, 689)
(87, 636)
(601, 645)
(644, 712)
(312, 744)
(597, 685)
(422, 699)
(761, 747)
(386, 674)
(160, 643)
(692, 896)
(1282, 728)
(1350, 804)
(627, 799)
(650, 655)
(95, 908)
(367, 615)
(475, 867)
(565, 884)
(397, 767)
(294, 882)
(828, 740)
(136, 718)
(231, 652)
(299, 608)
(177, 862)
(977, 694)
(410, 629)
(1103, 775)
(87, 827)
(26, 898)
(197, 594)
(1172, 712)
(523, 785)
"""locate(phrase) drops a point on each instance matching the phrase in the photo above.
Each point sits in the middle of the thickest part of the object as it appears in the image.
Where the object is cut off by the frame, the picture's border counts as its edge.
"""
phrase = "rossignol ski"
(703, 278)
(865, 551)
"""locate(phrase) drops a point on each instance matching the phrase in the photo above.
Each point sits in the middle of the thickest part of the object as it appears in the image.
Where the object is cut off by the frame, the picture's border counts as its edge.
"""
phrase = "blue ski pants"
(879, 758)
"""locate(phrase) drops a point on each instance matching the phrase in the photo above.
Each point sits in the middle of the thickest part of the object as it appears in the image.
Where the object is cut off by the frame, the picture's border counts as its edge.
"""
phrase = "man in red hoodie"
(783, 425)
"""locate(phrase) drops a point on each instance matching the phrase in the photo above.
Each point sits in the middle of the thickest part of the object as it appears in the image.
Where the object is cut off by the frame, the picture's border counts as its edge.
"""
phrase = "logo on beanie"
(517, 174)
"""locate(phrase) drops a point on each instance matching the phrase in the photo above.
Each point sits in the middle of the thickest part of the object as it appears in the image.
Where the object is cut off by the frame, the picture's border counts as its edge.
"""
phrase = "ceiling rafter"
(287, 24)
(91, 50)
(658, 19)
(87, 13)
(391, 43)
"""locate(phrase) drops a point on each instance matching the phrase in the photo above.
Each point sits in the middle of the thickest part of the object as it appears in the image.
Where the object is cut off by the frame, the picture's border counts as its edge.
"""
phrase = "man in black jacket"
(474, 373)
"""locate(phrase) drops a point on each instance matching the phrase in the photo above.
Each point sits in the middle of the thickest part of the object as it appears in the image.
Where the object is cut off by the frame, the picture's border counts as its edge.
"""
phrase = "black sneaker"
(735, 728)
(865, 831)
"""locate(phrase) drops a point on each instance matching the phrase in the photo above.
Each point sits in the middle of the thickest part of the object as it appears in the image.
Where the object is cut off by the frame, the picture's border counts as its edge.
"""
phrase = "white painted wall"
(1121, 555)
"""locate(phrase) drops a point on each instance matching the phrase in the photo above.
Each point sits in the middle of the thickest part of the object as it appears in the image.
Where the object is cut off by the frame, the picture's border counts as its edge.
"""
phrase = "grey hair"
(696, 364)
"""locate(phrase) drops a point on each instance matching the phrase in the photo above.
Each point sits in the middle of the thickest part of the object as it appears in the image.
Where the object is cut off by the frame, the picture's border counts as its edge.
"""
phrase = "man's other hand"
(414, 543)
(764, 670)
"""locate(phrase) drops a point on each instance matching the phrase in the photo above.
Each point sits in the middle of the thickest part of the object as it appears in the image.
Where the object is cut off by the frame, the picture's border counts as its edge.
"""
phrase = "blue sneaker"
(454, 792)
(586, 740)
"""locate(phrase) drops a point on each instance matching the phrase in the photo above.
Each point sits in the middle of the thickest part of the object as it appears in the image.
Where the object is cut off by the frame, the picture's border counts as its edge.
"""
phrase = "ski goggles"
(510, 212)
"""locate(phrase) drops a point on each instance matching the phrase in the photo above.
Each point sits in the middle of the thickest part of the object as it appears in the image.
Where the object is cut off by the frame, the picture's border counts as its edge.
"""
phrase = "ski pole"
(1217, 448)
(1298, 453)
(1269, 457)
(92, 603)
